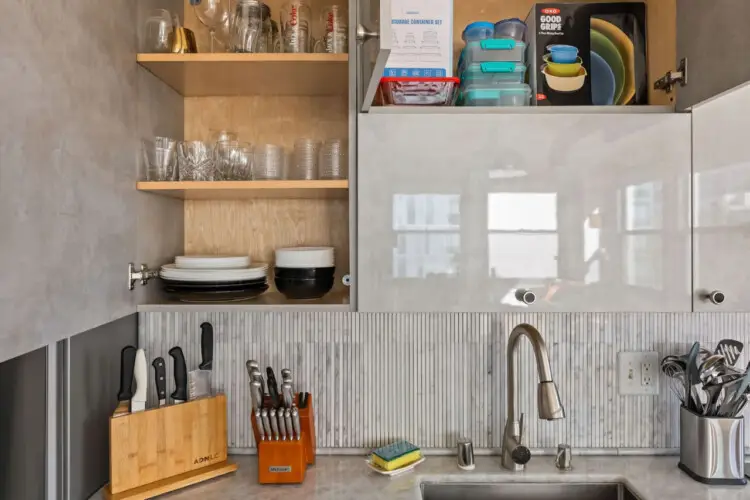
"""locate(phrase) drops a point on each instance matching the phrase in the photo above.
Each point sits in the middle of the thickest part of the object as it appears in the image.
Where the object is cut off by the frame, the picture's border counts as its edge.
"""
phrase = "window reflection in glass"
(643, 266)
(722, 197)
(428, 241)
(644, 206)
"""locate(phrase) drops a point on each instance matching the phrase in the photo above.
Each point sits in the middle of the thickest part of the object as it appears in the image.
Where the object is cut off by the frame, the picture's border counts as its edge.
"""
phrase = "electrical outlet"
(638, 373)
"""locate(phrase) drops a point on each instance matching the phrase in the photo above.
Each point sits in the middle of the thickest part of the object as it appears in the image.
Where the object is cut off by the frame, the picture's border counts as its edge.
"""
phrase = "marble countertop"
(333, 478)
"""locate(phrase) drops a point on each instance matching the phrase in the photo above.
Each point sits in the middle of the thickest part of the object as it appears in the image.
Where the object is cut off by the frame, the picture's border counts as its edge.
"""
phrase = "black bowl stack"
(214, 278)
(304, 273)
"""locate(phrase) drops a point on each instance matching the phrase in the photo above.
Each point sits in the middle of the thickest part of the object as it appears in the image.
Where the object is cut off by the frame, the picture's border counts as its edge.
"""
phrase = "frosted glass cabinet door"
(721, 208)
(477, 213)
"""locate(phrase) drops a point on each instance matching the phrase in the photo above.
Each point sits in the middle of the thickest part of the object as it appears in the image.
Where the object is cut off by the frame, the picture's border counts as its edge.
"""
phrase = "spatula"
(731, 350)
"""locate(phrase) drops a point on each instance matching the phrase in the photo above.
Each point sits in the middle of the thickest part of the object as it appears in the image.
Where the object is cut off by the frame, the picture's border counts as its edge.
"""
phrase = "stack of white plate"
(214, 278)
(304, 273)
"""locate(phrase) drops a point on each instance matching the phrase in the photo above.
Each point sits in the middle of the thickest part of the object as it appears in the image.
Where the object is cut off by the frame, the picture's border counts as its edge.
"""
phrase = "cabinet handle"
(363, 34)
(716, 297)
(525, 296)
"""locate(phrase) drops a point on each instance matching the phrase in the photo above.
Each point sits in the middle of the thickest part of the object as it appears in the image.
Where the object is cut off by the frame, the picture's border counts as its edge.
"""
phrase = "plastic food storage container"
(494, 50)
(506, 94)
(475, 32)
(490, 73)
(418, 91)
(511, 28)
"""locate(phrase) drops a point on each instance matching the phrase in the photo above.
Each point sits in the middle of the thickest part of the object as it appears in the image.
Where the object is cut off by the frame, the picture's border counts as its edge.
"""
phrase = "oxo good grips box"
(422, 32)
(588, 54)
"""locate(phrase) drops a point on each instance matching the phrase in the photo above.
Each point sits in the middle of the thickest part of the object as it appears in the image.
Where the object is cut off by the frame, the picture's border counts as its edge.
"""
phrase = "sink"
(527, 491)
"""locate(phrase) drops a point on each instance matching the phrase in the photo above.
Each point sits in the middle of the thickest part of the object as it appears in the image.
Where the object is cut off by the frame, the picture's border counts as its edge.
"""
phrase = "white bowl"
(305, 257)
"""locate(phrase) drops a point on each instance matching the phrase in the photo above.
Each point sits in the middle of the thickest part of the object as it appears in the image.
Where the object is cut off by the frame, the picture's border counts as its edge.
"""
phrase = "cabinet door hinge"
(143, 275)
(668, 82)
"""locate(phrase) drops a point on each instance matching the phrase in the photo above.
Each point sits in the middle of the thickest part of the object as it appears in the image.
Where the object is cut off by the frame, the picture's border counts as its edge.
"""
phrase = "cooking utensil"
(160, 377)
(127, 365)
(199, 381)
(256, 374)
(288, 422)
(296, 424)
(625, 47)
(273, 389)
(603, 46)
(710, 367)
(274, 423)
(602, 81)
(256, 394)
(731, 350)
(180, 375)
(266, 423)
(286, 394)
(691, 375)
(259, 425)
(282, 423)
(303, 400)
(140, 371)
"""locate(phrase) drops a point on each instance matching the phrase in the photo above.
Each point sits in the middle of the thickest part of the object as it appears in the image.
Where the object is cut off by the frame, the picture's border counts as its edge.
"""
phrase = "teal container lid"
(496, 44)
(481, 70)
(496, 92)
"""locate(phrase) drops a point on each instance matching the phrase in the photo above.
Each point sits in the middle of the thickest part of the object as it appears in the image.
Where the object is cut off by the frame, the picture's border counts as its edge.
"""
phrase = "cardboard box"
(620, 36)
(422, 39)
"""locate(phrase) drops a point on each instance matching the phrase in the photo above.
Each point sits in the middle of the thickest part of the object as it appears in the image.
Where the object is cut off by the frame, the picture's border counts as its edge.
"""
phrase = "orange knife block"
(165, 449)
(285, 462)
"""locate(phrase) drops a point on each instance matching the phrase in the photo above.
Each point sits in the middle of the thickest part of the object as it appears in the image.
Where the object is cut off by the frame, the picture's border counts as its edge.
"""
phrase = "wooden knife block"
(285, 462)
(164, 449)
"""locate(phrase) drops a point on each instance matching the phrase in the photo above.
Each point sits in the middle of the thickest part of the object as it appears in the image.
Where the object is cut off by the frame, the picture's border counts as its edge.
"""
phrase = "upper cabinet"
(721, 202)
(524, 212)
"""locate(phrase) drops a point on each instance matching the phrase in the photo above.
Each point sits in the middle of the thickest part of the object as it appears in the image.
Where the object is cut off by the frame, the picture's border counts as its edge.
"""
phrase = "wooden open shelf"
(227, 74)
(335, 301)
(243, 190)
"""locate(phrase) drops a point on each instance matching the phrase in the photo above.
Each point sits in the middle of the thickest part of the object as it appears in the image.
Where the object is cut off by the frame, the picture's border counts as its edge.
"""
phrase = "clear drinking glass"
(305, 160)
(214, 14)
(160, 159)
(196, 161)
(268, 162)
(296, 19)
(247, 27)
(233, 161)
(335, 38)
(334, 158)
(157, 32)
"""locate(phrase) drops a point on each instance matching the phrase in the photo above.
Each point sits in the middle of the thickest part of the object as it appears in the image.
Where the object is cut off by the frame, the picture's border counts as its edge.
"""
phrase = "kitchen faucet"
(515, 454)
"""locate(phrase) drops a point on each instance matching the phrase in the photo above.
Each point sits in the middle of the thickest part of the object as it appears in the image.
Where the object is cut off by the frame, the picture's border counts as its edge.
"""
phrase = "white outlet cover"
(634, 370)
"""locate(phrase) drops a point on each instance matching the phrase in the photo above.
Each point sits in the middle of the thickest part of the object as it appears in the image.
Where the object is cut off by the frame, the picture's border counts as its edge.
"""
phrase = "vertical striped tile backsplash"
(431, 378)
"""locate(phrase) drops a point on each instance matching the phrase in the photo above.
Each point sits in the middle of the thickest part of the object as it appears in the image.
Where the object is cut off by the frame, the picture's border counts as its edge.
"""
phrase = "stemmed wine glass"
(213, 14)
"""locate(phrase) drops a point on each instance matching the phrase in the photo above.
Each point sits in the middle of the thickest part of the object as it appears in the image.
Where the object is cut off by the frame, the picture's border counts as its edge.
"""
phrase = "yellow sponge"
(396, 455)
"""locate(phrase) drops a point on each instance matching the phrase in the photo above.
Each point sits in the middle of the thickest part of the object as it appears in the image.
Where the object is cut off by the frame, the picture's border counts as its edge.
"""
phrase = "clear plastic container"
(419, 91)
(494, 50)
(511, 28)
(475, 32)
(506, 94)
(490, 73)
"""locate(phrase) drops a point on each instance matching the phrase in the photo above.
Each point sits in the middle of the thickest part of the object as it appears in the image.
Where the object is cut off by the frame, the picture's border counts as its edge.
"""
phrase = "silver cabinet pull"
(363, 34)
(716, 297)
(525, 296)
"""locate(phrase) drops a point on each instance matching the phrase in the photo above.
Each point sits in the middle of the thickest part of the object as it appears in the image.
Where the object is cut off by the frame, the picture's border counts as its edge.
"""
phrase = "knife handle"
(160, 376)
(274, 423)
(207, 346)
(127, 365)
(250, 364)
(286, 393)
(282, 423)
(257, 376)
(256, 395)
(266, 423)
(286, 374)
(180, 374)
(295, 423)
(140, 371)
(288, 422)
(259, 425)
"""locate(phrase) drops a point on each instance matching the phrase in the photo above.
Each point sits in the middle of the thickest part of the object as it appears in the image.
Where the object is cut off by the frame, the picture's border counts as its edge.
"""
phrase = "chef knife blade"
(274, 423)
(259, 425)
(140, 371)
(273, 389)
(160, 376)
(199, 381)
(288, 422)
(295, 423)
(266, 423)
(127, 364)
(180, 375)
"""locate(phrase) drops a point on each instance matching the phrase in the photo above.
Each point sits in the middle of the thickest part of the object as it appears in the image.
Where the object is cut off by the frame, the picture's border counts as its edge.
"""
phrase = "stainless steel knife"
(140, 372)
(274, 423)
(180, 375)
(259, 425)
(160, 377)
(288, 422)
(282, 423)
(127, 364)
(295, 423)
(286, 373)
(266, 423)
(256, 394)
(256, 375)
(286, 394)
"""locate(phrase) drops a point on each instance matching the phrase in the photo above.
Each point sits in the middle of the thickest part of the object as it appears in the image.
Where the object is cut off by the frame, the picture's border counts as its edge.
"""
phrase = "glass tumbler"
(336, 31)
(296, 19)
(195, 161)
(233, 161)
(157, 33)
(268, 162)
(247, 27)
(305, 160)
(334, 159)
(160, 159)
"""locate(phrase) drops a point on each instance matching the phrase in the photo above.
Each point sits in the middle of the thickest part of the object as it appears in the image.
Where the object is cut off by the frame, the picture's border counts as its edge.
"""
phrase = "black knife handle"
(273, 388)
(127, 365)
(207, 346)
(160, 375)
(180, 374)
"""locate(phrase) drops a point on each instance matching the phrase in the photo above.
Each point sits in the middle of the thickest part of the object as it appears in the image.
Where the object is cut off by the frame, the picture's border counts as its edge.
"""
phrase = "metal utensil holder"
(712, 449)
